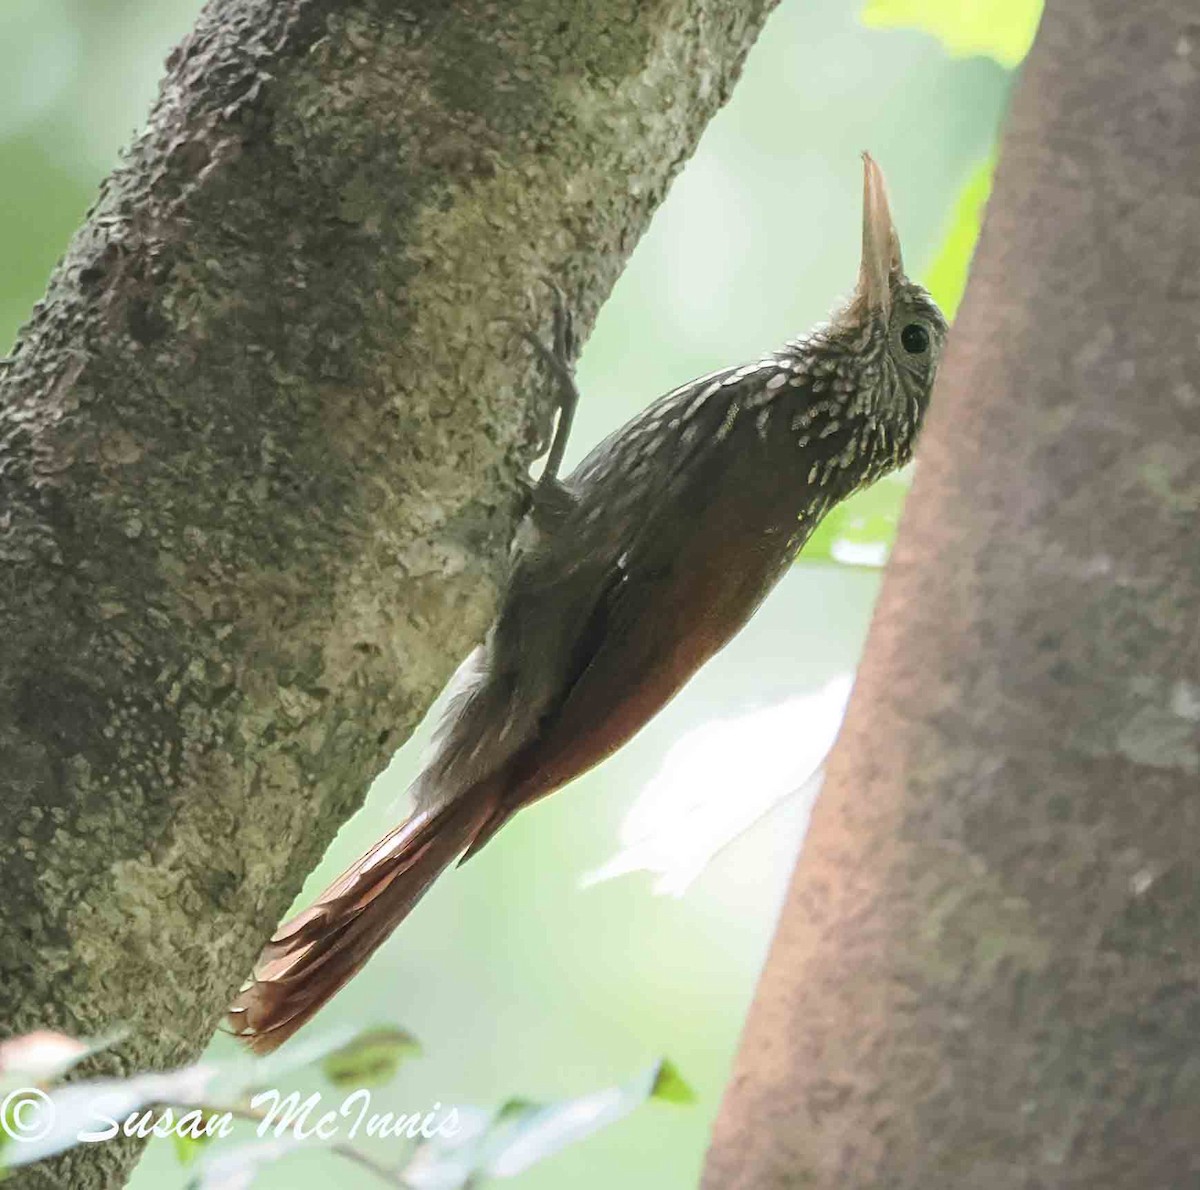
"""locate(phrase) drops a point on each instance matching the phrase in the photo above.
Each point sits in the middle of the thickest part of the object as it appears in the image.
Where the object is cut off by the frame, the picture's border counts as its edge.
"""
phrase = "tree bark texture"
(261, 451)
(986, 974)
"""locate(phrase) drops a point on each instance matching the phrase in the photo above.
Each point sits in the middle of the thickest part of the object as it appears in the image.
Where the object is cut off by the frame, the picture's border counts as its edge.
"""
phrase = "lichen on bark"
(261, 455)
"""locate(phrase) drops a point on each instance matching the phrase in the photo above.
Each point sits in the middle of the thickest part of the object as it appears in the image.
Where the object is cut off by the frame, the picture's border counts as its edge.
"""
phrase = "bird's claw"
(558, 359)
(565, 343)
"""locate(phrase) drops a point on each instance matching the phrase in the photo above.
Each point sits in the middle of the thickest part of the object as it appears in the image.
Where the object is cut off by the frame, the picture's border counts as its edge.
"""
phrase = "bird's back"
(643, 581)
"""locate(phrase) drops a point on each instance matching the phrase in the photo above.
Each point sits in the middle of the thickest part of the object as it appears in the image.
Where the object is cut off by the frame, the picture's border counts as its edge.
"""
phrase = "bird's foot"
(558, 358)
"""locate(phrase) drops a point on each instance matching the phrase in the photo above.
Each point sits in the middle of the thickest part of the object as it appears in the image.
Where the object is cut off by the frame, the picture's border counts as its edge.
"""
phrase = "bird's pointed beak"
(881, 262)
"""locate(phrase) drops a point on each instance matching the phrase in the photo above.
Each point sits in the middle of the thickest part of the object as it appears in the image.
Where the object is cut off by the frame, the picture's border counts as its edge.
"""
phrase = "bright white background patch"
(859, 553)
(719, 779)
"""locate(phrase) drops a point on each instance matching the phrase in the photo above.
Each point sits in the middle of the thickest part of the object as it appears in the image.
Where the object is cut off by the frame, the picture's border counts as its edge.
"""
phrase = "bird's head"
(891, 328)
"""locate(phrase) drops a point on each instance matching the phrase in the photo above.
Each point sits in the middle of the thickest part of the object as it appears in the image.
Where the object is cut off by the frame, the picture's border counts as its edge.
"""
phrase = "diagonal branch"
(261, 449)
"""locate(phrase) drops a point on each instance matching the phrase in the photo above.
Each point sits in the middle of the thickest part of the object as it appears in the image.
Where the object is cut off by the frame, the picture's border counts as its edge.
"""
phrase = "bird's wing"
(517, 677)
(657, 627)
(608, 617)
(666, 608)
(565, 576)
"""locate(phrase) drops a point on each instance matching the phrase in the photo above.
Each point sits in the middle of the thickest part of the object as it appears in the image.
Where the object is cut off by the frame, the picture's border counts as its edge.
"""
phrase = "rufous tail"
(315, 953)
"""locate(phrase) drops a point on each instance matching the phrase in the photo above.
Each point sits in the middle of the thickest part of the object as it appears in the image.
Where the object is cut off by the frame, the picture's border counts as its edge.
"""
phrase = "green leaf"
(371, 1059)
(519, 1134)
(188, 1148)
(670, 1086)
(1001, 29)
(245, 1072)
(947, 276)
(92, 1106)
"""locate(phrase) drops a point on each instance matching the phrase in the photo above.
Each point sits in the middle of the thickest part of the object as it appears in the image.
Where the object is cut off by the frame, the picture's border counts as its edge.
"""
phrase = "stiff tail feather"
(311, 956)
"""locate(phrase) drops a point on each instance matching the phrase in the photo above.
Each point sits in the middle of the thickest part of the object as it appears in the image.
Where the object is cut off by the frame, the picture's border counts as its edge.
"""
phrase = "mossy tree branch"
(260, 457)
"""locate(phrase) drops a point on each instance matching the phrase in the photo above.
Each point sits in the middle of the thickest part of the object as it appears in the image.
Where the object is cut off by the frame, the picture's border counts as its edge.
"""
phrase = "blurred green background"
(516, 977)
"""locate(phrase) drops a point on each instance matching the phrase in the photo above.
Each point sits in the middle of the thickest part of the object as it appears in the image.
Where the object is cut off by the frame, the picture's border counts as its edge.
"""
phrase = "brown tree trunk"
(987, 974)
(260, 451)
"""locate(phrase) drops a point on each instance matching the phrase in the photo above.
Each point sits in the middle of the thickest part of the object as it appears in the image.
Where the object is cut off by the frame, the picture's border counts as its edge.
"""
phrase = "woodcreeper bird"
(625, 578)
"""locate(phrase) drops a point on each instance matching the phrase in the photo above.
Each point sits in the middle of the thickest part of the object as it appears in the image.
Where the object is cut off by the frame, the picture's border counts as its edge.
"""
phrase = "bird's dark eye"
(914, 338)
